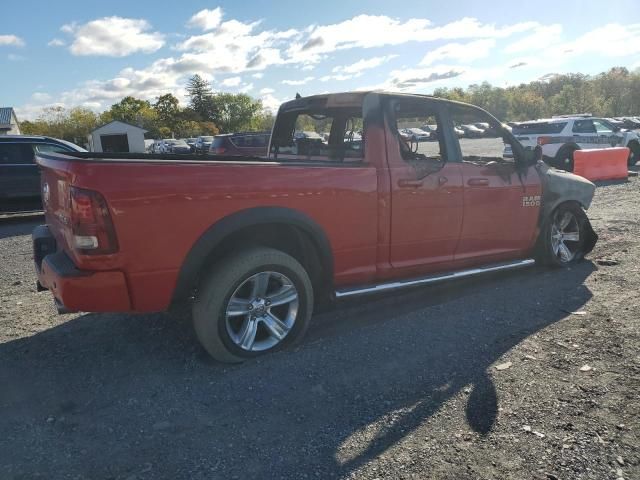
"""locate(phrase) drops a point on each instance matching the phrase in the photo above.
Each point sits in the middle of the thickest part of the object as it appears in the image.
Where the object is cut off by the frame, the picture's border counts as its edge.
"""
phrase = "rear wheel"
(563, 241)
(634, 153)
(253, 303)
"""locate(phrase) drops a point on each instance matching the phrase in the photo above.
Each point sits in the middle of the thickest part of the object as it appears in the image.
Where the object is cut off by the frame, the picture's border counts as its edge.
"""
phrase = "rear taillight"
(219, 150)
(91, 225)
(544, 140)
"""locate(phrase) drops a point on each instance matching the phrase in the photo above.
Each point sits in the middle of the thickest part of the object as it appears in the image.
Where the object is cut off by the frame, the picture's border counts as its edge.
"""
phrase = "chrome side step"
(385, 287)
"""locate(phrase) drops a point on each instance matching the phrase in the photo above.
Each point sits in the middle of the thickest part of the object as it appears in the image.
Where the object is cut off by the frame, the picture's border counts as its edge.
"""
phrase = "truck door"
(584, 134)
(607, 137)
(501, 207)
(426, 186)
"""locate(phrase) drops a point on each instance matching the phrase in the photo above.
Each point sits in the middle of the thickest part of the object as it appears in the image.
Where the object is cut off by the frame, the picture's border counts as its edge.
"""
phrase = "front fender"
(560, 187)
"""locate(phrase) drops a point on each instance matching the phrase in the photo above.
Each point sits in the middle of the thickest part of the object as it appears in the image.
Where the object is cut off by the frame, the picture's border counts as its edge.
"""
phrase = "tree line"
(207, 113)
(609, 94)
(615, 93)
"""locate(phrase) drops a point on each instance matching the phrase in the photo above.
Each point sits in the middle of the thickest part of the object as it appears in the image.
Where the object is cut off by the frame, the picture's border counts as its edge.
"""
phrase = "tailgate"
(56, 177)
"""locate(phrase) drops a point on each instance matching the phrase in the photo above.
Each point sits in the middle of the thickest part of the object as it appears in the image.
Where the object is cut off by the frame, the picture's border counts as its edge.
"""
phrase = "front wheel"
(255, 302)
(563, 242)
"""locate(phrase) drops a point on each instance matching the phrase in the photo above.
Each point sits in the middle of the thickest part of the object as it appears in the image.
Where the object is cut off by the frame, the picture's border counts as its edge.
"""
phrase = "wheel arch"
(298, 233)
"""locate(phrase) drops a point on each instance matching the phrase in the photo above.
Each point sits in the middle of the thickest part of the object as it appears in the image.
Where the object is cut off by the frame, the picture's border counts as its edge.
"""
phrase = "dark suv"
(19, 173)
(253, 144)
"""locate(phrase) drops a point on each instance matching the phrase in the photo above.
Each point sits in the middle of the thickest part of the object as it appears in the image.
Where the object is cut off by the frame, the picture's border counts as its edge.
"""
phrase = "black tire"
(211, 323)
(548, 252)
(634, 153)
(564, 159)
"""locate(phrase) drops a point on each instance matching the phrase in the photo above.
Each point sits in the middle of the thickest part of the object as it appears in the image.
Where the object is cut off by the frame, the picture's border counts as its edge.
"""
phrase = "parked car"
(559, 137)
(165, 145)
(254, 245)
(630, 123)
(487, 130)
(203, 144)
(157, 146)
(308, 135)
(178, 146)
(253, 144)
(148, 145)
(19, 174)
(471, 131)
(192, 143)
(416, 134)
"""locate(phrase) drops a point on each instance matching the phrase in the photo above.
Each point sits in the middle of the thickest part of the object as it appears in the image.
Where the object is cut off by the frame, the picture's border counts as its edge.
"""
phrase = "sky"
(92, 54)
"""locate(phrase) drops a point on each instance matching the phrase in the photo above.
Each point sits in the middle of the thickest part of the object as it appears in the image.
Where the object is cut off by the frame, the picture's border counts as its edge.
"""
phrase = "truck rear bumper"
(76, 290)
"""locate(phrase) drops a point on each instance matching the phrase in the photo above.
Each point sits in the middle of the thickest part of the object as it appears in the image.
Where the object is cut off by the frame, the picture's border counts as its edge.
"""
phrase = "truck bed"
(161, 205)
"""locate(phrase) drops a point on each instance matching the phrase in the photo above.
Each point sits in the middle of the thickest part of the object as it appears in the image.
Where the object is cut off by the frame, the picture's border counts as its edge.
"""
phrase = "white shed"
(117, 137)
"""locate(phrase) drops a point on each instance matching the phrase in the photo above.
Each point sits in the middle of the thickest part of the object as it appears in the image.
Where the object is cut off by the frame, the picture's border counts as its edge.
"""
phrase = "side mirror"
(537, 153)
(533, 155)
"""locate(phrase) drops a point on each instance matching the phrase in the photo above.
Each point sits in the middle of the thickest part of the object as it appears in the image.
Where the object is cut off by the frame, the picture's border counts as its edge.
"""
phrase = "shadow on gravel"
(111, 396)
(13, 226)
(608, 183)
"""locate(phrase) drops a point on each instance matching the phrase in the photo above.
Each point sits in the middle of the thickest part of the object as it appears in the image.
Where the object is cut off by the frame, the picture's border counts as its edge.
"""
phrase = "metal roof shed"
(117, 137)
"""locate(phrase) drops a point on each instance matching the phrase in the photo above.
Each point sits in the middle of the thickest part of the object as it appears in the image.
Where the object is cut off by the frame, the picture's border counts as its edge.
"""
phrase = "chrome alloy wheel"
(565, 236)
(262, 311)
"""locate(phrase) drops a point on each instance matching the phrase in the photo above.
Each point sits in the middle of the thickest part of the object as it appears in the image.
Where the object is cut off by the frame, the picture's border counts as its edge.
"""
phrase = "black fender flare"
(222, 229)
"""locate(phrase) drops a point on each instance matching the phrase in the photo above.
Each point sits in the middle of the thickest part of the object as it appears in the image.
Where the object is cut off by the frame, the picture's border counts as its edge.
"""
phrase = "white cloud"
(339, 77)
(258, 75)
(246, 88)
(206, 19)
(234, 46)
(298, 82)
(270, 103)
(113, 37)
(466, 52)
(11, 41)
(15, 58)
(366, 31)
(414, 79)
(232, 81)
(611, 40)
(364, 64)
(41, 97)
(56, 42)
(544, 36)
(266, 91)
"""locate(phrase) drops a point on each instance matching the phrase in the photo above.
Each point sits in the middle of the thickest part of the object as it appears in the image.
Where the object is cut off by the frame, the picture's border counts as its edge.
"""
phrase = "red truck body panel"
(159, 210)
(381, 221)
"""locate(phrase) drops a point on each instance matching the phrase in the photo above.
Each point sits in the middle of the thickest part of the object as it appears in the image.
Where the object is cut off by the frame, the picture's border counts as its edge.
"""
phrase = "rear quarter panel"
(160, 210)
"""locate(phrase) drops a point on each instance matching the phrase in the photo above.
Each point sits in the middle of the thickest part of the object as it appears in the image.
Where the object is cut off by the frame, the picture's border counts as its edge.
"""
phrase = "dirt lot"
(533, 375)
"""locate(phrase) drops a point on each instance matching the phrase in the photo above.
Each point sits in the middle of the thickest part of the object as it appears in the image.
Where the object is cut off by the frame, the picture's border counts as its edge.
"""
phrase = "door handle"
(410, 183)
(478, 182)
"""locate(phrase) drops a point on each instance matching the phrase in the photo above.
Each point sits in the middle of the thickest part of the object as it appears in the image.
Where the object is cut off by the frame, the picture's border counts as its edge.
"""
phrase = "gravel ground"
(529, 375)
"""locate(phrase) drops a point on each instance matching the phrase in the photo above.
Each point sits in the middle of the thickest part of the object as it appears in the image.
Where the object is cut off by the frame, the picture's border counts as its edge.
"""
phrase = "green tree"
(200, 97)
(134, 111)
(235, 112)
(167, 108)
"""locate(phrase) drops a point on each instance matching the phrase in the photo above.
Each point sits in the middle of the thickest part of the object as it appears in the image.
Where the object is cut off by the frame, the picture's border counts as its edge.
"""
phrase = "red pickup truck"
(255, 242)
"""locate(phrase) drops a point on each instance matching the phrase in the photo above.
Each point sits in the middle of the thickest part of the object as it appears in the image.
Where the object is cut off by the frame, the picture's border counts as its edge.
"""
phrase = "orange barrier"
(601, 164)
